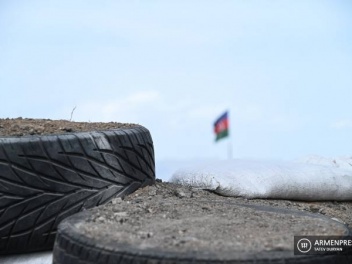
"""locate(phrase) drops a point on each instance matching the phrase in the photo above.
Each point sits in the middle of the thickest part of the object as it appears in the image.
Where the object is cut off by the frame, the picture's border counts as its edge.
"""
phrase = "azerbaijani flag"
(221, 126)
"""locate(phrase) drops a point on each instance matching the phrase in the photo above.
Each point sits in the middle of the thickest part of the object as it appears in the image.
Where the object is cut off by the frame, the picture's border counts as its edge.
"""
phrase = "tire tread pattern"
(44, 179)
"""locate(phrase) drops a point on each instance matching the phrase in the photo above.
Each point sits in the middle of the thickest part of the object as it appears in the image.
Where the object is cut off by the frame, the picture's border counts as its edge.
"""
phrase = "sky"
(281, 68)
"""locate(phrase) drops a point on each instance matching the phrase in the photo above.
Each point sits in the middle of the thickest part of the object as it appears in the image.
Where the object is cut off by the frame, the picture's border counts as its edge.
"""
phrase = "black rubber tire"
(44, 179)
(72, 246)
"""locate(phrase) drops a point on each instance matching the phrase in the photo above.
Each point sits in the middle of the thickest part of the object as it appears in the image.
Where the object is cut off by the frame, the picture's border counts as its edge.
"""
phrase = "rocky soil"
(176, 218)
(28, 126)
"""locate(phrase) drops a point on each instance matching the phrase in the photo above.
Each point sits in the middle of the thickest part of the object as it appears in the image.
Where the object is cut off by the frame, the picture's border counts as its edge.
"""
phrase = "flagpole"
(229, 150)
(221, 129)
(229, 145)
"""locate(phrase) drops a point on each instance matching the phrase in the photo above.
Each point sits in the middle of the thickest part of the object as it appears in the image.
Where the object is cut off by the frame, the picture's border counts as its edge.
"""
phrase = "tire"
(72, 246)
(44, 179)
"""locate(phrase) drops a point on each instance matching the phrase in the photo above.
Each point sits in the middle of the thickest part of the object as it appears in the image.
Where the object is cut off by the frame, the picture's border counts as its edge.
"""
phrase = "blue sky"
(282, 68)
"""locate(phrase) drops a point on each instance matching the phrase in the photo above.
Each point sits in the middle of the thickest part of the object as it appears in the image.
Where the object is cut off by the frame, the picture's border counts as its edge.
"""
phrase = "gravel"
(30, 127)
(171, 217)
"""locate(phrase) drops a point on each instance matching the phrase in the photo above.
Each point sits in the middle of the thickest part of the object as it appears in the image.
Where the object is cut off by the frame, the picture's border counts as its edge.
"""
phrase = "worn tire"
(44, 179)
(72, 246)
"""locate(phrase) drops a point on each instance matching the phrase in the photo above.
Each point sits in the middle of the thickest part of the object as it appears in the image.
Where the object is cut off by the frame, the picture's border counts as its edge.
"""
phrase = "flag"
(221, 126)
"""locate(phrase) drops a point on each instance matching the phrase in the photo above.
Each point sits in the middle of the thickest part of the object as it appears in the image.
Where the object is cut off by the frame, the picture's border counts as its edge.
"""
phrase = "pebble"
(206, 208)
(101, 219)
(121, 214)
(343, 207)
(152, 192)
(67, 129)
(144, 235)
(314, 208)
(179, 193)
(321, 211)
(116, 201)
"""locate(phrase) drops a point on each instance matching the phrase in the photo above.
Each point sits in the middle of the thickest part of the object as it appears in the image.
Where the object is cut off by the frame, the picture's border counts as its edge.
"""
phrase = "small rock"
(121, 214)
(116, 201)
(314, 208)
(14, 127)
(67, 129)
(179, 193)
(195, 192)
(38, 129)
(100, 219)
(321, 211)
(144, 235)
(182, 231)
(343, 207)
(24, 127)
(121, 220)
(152, 192)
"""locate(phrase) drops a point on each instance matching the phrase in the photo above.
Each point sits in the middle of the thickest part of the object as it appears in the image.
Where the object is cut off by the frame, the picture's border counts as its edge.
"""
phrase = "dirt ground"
(29, 126)
(178, 218)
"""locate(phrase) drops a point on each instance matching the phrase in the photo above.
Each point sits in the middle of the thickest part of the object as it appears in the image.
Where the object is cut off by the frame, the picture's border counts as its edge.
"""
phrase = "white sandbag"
(268, 179)
(338, 162)
(30, 258)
